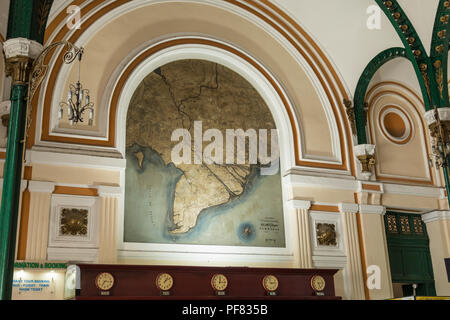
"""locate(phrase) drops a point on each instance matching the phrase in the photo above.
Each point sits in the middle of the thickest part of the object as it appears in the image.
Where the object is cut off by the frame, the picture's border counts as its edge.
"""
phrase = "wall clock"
(104, 281)
(164, 281)
(219, 282)
(270, 283)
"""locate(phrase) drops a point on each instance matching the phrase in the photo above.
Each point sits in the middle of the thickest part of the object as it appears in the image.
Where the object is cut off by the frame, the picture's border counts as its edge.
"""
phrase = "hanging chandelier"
(78, 100)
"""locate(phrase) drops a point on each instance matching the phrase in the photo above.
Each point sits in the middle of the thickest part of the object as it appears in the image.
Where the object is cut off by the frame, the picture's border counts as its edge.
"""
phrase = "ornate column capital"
(444, 115)
(20, 54)
(366, 156)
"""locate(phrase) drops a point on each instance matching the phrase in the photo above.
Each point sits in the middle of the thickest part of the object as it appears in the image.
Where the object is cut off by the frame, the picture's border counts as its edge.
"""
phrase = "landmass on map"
(176, 95)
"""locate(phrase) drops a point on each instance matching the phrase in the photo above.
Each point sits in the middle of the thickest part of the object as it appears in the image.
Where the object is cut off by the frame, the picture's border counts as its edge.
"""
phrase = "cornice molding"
(348, 207)
(41, 186)
(436, 216)
(372, 209)
(109, 191)
(300, 204)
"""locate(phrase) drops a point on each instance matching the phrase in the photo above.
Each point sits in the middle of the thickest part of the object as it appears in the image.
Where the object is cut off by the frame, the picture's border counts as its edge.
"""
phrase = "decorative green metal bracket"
(431, 70)
(439, 50)
(363, 83)
(414, 49)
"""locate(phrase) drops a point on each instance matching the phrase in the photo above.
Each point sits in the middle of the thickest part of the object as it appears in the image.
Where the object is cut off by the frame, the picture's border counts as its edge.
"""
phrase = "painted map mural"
(206, 204)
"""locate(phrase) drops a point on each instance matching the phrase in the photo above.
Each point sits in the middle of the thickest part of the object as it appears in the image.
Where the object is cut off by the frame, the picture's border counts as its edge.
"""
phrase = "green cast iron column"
(11, 189)
(26, 19)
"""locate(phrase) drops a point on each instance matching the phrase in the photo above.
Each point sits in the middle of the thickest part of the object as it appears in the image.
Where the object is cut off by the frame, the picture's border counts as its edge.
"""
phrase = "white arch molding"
(178, 253)
(101, 134)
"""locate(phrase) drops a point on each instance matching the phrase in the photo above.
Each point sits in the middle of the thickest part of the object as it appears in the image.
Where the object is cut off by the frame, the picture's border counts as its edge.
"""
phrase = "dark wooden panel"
(138, 282)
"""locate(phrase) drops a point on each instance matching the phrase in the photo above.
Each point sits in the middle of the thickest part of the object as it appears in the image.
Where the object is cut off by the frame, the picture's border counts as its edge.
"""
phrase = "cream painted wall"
(376, 254)
(398, 70)
(439, 235)
(322, 195)
(409, 201)
(118, 38)
(4, 9)
(352, 52)
(84, 176)
(399, 160)
(356, 45)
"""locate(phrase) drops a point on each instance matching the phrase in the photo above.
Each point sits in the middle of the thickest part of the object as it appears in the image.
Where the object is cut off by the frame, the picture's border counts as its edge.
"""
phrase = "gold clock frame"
(112, 284)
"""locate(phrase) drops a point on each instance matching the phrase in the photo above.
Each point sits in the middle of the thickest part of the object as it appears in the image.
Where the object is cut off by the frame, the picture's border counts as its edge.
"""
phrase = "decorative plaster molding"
(421, 191)
(72, 254)
(109, 191)
(300, 204)
(317, 181)
(374, 209)
(339, 262)
(348, 207)
(436, 216)
(364, 149)
(444, 115)
(22, 47)
(75, 160)
(370, 187)
(5, 106)
(41, 186)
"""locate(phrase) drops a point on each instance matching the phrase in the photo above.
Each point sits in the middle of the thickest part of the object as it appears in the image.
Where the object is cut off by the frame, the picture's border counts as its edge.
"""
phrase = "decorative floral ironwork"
(392, 224)
(404, 224)
(326, 234)
(73, 222)
(417, 225)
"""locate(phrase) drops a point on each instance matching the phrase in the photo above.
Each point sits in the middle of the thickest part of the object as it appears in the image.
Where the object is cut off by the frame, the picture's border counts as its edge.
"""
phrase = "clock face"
(104, 281)
(219, 282)
(164, 281)
(318, 283)
(270, 283)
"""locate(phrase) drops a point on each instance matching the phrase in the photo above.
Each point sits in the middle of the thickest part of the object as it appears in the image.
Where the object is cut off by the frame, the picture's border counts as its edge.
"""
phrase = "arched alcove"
(184, 182)
(257, 202)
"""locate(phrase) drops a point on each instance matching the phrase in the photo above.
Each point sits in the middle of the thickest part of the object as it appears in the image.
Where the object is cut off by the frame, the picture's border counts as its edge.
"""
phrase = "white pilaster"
(304, 233)
(353, 270)
(107, 252)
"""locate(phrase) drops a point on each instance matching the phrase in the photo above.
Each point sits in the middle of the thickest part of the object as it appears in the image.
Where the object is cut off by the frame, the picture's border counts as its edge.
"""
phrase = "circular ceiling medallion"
(395, 125)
